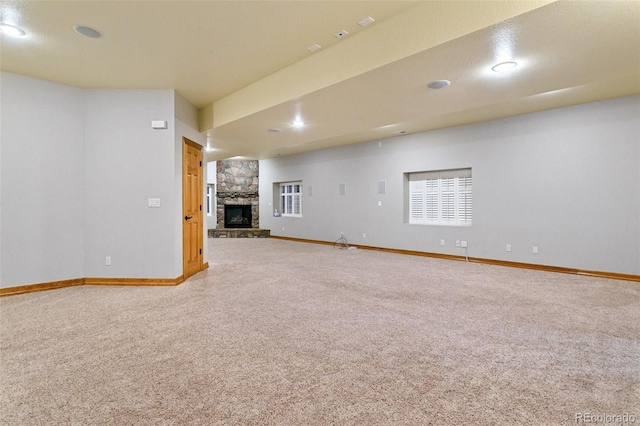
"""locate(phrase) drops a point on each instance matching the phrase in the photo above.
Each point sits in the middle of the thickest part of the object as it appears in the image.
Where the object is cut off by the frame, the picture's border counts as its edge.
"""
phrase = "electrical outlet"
(508, 247)
(283, 228)
(535, 249)
(107, 261)
(441, 242)
(458, 243)
(463, 244)
(364, 235)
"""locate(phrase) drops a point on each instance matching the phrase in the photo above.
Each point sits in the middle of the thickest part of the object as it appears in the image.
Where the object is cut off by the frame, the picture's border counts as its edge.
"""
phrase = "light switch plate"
(154, 202)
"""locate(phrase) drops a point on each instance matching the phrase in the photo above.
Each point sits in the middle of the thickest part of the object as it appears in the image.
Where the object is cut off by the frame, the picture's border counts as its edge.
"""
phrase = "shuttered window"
(440, 198)
(291, 199)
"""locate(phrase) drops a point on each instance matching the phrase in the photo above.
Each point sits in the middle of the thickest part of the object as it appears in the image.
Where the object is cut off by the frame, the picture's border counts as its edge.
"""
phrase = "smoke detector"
(341, 34)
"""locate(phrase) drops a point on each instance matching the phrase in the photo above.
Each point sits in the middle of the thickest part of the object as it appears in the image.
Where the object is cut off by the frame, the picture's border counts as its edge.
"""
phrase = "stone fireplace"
(238, 202)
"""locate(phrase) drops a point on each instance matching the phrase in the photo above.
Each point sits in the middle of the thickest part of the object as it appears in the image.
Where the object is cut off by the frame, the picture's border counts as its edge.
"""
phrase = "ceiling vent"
(366, 21)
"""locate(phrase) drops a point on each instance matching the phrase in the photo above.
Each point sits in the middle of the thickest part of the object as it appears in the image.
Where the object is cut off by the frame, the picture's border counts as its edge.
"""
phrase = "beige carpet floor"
(285, 333)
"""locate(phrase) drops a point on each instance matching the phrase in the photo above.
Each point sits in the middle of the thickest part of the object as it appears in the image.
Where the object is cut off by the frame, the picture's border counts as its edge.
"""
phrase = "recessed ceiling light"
(273, 130)
(504, 66)
(11, 30)
(439, 84)
(298, 123)
(87, 31)
(400, 132)
(313, 47)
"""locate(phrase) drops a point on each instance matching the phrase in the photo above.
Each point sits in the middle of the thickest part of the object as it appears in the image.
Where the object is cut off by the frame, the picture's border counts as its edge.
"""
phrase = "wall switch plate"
(441, 242)
(463, 244)
(154, 202)
(107, 261)
(508, 247)
(379, 203)
(364, 235)
(535, 249)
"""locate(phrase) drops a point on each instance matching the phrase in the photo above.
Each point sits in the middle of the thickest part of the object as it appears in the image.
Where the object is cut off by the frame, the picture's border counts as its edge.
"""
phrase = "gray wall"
(565, 180)
(42, 181)
(78, 168)
(126, 163)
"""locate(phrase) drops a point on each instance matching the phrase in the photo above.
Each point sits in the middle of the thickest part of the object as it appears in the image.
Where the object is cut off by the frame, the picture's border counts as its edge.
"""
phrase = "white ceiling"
(245, 63)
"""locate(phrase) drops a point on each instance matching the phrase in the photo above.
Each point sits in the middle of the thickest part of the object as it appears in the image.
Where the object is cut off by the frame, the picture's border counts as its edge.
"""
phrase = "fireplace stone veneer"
(237, 199)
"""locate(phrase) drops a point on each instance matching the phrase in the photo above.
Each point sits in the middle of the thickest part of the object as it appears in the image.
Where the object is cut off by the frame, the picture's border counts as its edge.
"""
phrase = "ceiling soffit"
(421, 27)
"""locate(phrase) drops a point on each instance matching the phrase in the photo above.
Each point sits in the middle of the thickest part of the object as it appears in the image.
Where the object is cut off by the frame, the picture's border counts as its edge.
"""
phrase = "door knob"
(187, 217)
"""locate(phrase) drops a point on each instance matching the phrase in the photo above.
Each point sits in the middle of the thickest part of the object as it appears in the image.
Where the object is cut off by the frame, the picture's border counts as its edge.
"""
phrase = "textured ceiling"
(245, 63)
(203, 49)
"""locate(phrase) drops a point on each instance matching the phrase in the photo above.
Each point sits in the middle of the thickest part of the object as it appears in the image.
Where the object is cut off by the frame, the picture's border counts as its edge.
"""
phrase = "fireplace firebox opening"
(237, 216)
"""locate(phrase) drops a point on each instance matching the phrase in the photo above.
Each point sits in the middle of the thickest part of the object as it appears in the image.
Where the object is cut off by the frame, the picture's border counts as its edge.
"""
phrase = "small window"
(440, 197)
(291, 199)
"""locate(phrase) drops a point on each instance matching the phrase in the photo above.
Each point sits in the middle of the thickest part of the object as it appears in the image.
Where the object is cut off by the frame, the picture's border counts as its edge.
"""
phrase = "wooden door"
(192, 227)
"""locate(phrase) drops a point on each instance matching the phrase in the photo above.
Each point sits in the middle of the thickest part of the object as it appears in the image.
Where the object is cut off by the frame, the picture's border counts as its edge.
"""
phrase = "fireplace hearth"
(236, 216)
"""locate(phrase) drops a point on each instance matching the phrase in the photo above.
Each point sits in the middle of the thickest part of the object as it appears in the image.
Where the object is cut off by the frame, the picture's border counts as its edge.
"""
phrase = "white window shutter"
(440, 198)
(464, 197)
(416, 201)
(431, 206)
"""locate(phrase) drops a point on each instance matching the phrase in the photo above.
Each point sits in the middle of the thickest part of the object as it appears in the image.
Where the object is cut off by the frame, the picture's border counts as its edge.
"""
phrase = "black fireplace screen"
(237, 216)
